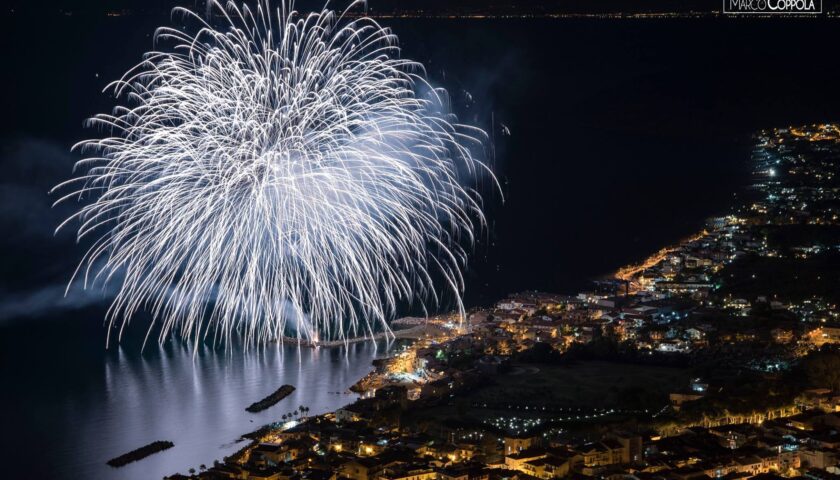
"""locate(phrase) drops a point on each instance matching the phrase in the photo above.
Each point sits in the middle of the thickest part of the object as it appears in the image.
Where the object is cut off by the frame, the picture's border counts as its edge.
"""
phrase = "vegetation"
(752, 393)
(791, 279)
(788, 237)
(822, 368)
(584, 384)
(603, 348)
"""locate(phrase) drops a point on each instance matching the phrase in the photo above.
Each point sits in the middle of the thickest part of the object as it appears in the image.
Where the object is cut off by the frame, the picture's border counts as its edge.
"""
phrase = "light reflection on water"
(198, 402)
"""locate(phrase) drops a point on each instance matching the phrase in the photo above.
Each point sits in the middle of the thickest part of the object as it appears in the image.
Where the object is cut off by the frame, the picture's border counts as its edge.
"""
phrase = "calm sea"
(69, 405)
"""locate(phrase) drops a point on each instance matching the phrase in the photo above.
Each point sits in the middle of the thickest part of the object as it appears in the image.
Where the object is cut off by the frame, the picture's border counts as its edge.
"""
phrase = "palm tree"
(284, 417)
(296, 413)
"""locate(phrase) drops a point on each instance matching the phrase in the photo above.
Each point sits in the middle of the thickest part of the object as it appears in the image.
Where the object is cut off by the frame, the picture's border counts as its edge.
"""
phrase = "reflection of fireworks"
(285, 167)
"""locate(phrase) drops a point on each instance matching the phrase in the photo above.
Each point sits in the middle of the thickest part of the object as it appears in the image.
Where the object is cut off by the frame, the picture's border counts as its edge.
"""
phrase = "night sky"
(579, 6)
(608, 121)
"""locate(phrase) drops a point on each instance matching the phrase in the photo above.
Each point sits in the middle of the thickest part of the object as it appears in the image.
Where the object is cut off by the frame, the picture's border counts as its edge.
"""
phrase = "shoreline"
(415, 329)
(679, 276)
(302, 342)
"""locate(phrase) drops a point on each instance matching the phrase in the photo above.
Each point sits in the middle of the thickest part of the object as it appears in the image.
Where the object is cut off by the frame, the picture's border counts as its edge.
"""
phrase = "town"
(713, 358)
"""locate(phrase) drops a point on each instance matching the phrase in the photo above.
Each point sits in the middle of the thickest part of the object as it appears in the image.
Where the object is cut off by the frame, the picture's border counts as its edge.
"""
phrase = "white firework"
(284, 170)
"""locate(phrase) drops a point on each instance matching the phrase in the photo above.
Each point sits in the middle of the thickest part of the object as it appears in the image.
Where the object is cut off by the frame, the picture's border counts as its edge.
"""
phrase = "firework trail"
(285, 170)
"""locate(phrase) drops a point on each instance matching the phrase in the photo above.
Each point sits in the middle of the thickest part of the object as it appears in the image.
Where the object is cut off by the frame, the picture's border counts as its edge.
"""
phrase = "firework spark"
(284, 172)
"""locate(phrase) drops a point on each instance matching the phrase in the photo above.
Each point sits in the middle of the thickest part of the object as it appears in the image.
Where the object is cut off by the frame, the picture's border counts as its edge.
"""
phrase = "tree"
(823, 369)
(461, 406)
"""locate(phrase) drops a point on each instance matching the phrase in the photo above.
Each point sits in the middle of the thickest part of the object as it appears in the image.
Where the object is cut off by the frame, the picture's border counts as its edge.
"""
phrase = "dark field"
(784, 279)
(590, 384)
(575, 395)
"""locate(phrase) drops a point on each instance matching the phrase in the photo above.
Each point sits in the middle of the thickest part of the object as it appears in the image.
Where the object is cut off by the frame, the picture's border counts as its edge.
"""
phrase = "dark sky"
(577, 6)
(625, 134)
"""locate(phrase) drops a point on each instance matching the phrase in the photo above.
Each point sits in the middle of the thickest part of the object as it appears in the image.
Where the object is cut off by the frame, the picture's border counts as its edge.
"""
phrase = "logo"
(770, 7)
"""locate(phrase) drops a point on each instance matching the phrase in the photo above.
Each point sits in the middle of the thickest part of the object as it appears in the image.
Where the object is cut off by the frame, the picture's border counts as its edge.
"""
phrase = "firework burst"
(281, 173)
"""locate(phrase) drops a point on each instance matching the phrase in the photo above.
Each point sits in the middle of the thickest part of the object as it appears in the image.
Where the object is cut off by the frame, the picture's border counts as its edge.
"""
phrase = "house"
(548, 467)
(516, 444)
(271, 454)
(358, 469)
(603, 453)
(817, 458)
(362, 410)
(518, 459)
(782, 335)
(408, 472)
(829, 333)
(463, 472)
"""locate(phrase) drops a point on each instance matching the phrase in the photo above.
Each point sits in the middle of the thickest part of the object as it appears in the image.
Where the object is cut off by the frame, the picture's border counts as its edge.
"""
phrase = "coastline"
(413, 332)
(416, 329)
(676, 288)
